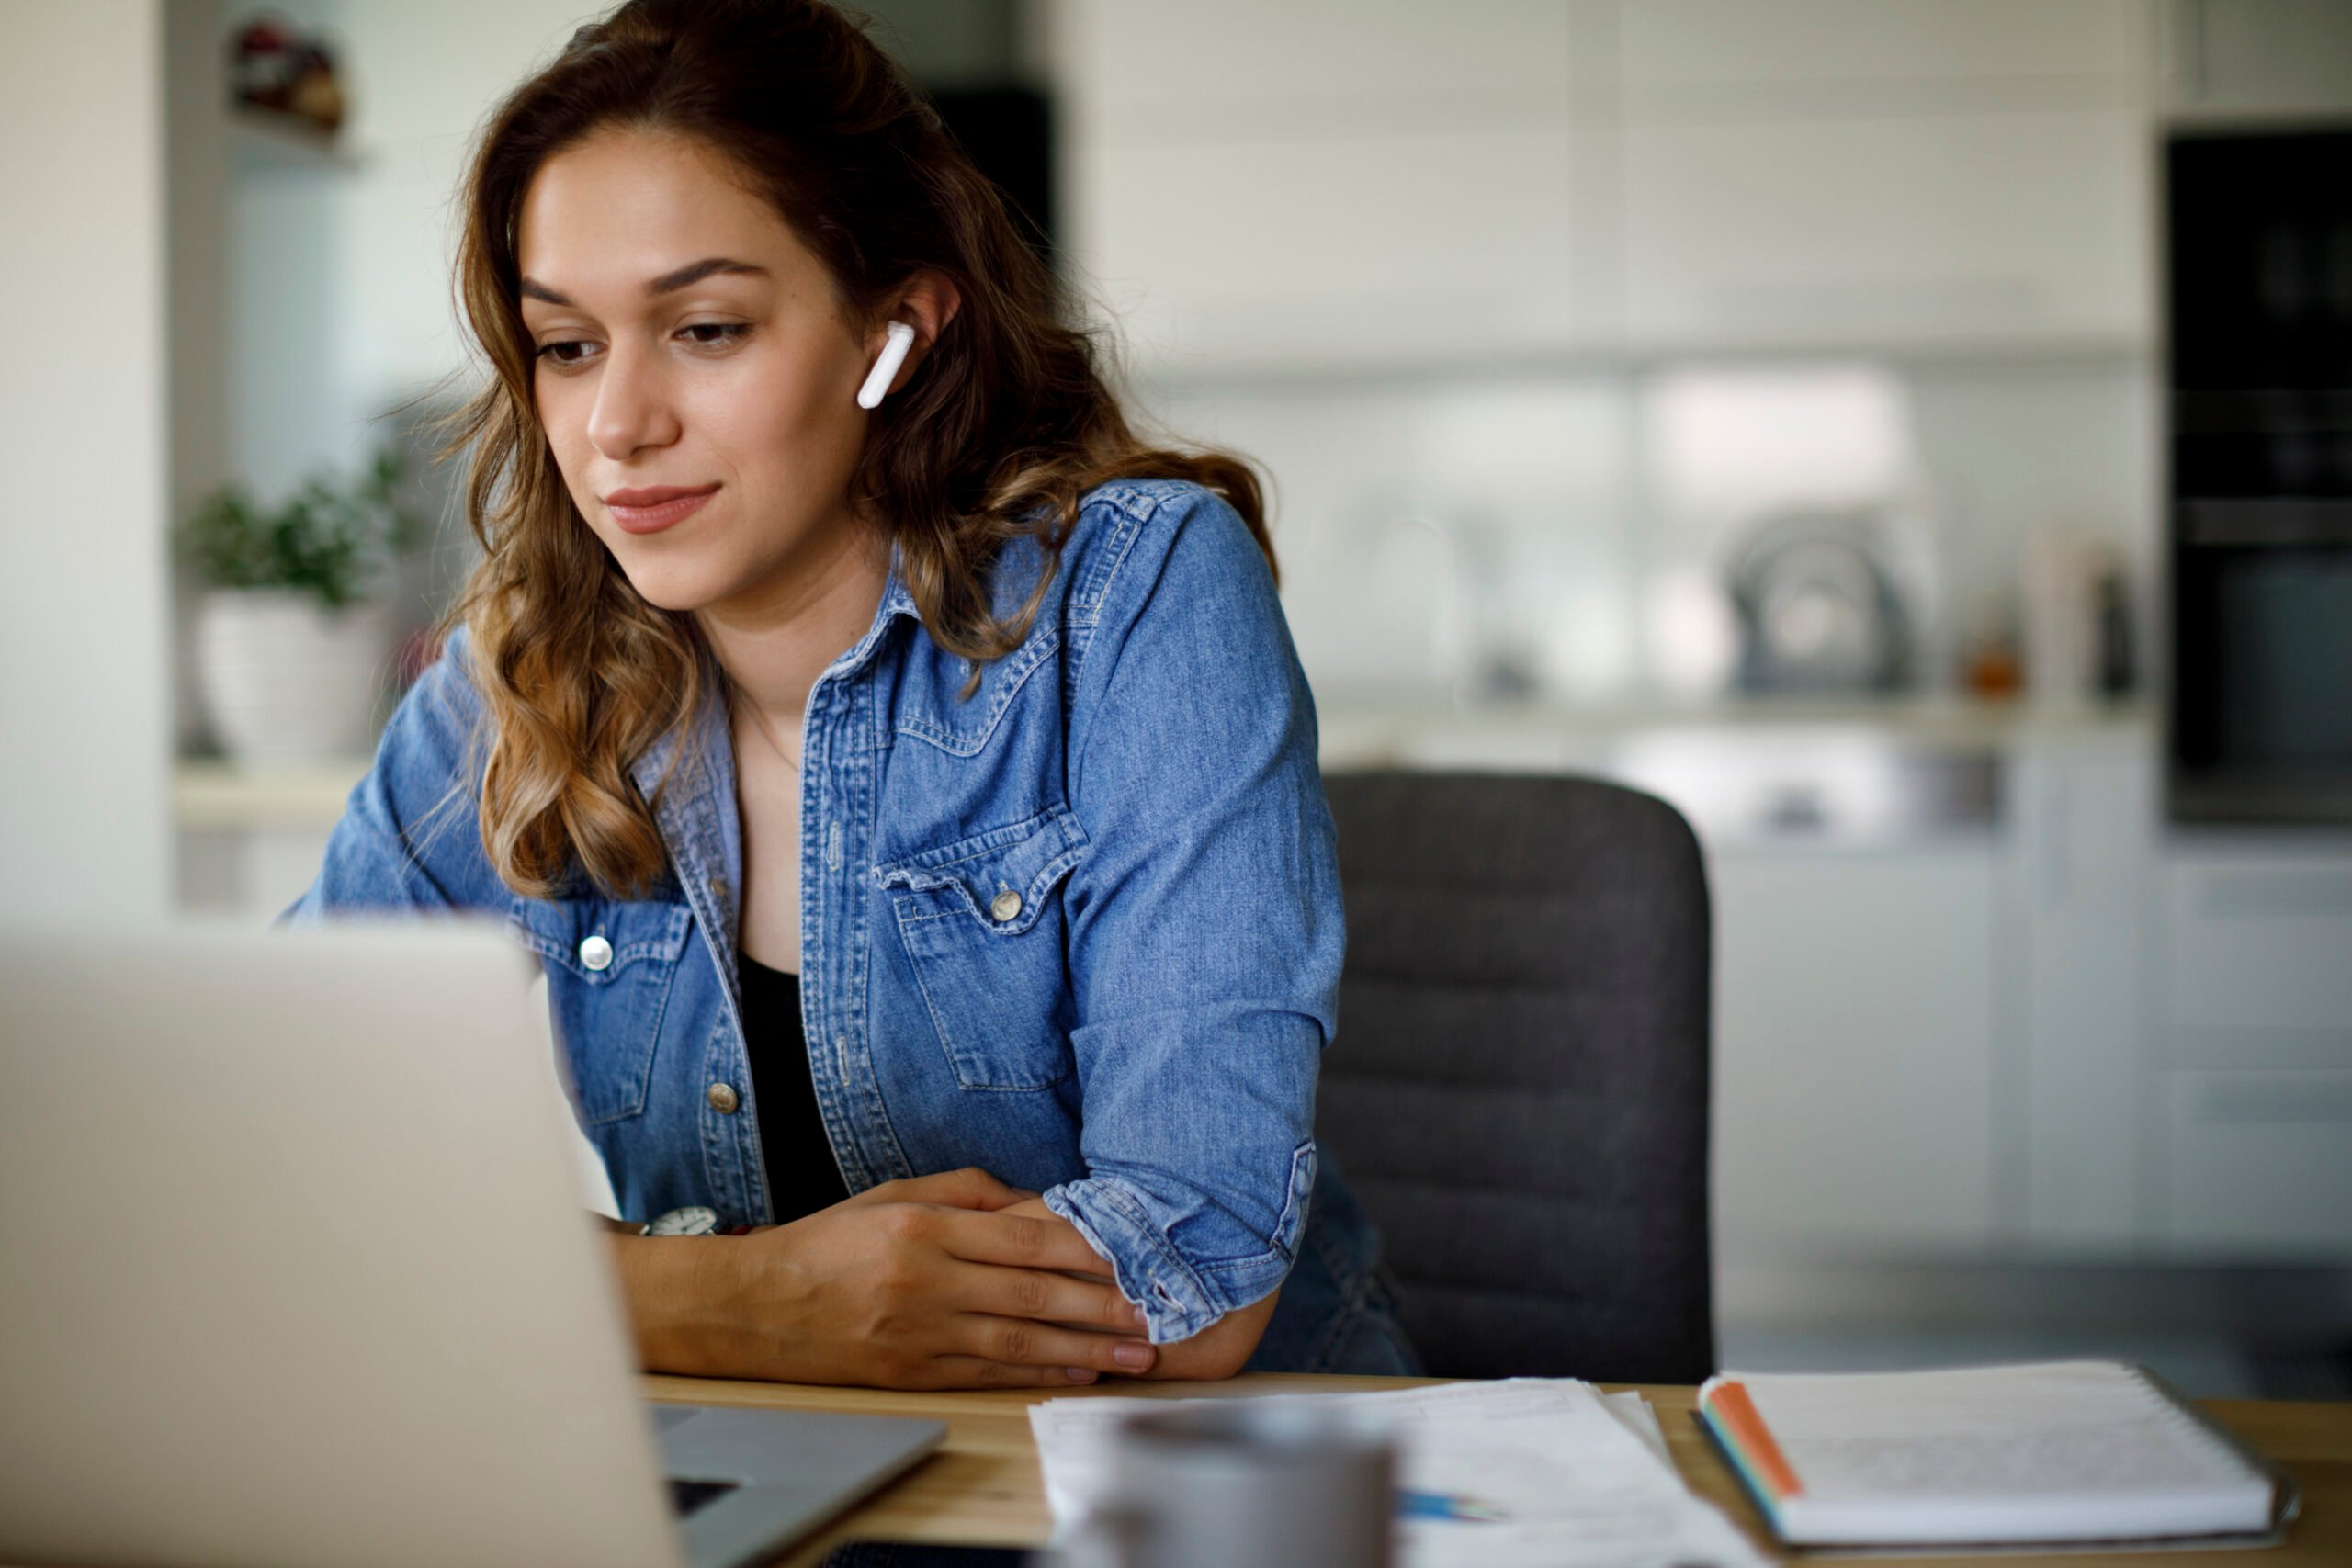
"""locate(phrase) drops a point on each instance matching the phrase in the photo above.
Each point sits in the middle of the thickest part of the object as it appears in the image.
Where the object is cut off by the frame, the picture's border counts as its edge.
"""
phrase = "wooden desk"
(983, 1488)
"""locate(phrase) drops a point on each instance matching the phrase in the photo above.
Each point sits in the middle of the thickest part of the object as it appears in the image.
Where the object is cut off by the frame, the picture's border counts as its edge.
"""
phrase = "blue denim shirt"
(1081, 928)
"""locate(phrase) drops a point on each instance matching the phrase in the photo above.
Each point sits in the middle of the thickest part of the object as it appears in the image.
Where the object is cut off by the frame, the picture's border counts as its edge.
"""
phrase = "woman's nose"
(632, 409)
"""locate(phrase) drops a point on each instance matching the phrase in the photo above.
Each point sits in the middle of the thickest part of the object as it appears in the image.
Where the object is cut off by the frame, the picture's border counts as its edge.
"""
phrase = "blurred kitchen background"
(1913, 437)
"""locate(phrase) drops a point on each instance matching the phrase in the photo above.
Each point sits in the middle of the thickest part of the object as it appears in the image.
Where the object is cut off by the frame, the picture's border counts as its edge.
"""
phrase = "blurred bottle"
(1991, 669)
(2062, 630)
(2116, 666)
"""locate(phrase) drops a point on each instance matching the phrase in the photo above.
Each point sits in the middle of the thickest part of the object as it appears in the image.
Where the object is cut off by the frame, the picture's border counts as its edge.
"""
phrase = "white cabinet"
(250, 841)
(1938, 172)
(250, 875)
(2259, 953)
(1854, 1082)
(2078, 936)
(1209, 67)
(1326, 250)
(1950, 230)
(2256, 1098)
(1910, 46)
(1326, 185)
(2258, 1165)
(2226, 61)
(2186, 1003)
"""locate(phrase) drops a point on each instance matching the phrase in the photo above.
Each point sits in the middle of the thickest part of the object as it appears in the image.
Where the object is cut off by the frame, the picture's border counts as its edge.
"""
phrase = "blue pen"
(1439, 1506)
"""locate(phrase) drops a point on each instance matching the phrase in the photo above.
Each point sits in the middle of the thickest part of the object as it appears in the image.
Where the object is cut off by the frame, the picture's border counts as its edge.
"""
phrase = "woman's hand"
(939, 1282)
(1218, 1351)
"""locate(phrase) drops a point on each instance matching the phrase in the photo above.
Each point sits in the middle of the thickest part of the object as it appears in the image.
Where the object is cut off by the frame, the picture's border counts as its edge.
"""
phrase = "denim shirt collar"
(695, 807)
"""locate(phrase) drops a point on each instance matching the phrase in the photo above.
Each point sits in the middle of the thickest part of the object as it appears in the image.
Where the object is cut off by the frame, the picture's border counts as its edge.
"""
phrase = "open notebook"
(2063, 1452)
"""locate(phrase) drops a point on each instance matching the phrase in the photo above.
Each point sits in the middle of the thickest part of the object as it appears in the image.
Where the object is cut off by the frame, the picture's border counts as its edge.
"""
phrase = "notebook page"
(2055, 1452)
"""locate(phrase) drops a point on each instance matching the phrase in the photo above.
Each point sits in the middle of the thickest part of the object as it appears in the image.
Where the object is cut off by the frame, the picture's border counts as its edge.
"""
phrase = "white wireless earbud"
(894, 353)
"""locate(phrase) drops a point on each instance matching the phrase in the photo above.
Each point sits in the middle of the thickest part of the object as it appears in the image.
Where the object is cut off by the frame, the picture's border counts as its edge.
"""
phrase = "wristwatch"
(683, 1222)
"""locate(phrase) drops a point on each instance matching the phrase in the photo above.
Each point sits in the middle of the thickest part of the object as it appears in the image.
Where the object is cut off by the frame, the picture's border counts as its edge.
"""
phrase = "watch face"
(685, 1222)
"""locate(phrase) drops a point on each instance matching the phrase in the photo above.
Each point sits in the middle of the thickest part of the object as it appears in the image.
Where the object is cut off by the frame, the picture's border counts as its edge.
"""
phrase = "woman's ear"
(927, 303)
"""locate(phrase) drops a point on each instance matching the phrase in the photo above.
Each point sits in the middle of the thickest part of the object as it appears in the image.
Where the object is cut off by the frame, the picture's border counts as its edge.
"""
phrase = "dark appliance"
(1007, 131)
(2260, 240)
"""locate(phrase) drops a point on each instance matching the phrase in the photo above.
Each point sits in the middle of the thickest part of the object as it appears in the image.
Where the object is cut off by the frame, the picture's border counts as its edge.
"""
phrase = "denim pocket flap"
(597, 940)
(609, 965)
(1000, 878)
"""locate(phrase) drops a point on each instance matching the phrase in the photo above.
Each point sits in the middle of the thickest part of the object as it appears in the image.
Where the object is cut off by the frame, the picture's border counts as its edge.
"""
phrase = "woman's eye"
(569, 352)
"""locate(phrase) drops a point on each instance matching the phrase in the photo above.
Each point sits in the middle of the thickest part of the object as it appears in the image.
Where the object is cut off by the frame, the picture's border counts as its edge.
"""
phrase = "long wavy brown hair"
(1009, 425)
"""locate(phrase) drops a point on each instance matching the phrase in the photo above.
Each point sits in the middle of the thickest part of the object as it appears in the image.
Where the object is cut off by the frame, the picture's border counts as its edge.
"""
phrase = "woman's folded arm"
(1206, 926)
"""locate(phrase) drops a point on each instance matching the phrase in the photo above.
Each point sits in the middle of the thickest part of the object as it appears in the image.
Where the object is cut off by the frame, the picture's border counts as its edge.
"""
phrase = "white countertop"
(1369, 728)
(1385, 729)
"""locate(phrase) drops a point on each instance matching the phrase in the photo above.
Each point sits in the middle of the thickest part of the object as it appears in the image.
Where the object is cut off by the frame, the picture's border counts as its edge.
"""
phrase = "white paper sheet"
(1581, 1480)
(1638, 1418)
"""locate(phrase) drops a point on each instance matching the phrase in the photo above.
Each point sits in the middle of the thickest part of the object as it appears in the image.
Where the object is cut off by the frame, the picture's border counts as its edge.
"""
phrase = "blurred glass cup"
(1242, 1483)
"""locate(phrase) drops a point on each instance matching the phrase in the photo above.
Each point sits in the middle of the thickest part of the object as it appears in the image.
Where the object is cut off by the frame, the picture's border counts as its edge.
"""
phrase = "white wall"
(339, 298)
(425, 73)
(85, 741)
(346, 278)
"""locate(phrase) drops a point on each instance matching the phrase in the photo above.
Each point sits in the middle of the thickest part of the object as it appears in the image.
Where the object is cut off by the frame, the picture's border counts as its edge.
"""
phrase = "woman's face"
(689, 345)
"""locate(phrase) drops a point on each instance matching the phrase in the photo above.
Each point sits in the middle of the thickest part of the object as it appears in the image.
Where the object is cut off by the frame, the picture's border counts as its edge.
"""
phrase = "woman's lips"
(650, 511)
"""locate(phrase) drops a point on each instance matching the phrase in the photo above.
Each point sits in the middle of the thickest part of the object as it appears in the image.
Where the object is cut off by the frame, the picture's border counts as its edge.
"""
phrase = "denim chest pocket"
(982, 923)
(609, 965)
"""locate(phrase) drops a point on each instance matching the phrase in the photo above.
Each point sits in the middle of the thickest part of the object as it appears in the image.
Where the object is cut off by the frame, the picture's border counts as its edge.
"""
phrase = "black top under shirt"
(797, 1157)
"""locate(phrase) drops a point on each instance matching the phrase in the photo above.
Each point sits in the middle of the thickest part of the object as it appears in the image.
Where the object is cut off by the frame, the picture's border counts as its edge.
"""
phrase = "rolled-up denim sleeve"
(1205, 924)
(409, 837)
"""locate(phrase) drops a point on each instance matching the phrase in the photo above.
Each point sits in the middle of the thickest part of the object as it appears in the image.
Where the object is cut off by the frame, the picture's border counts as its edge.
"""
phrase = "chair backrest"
(1517, 1089)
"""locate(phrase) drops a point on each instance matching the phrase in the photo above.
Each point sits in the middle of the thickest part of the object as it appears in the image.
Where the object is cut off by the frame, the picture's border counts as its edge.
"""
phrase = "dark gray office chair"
(1517, 1089)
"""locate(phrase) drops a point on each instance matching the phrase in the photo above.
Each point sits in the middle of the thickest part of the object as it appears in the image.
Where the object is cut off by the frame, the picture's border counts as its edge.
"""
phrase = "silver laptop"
(294, 1270)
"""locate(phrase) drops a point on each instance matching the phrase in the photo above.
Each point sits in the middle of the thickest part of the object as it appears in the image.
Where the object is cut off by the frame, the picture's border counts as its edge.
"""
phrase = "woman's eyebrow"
(668, 283)
(695, 272)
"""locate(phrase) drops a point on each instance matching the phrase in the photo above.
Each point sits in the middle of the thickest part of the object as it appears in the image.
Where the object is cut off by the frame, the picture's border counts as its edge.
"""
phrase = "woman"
(915, 809)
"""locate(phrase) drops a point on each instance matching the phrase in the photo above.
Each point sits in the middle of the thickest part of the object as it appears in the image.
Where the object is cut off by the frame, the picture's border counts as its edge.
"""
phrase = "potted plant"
(291, 652)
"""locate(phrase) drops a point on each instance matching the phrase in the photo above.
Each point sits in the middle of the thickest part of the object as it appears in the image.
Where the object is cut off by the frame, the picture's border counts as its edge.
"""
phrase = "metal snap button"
(1005, 905)
(723, 1098)
(596, 953)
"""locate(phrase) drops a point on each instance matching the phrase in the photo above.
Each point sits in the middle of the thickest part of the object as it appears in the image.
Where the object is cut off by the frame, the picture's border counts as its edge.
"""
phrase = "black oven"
(2260, 243)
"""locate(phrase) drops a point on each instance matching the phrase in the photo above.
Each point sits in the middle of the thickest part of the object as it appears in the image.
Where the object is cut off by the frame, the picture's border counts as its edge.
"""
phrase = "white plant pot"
(285, 679)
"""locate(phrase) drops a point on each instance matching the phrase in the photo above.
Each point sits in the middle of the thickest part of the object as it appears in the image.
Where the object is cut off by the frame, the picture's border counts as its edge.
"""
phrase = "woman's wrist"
(656, 1276)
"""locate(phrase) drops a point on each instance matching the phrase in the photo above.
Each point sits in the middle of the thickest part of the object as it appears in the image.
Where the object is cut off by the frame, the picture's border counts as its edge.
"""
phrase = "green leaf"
(331, 538)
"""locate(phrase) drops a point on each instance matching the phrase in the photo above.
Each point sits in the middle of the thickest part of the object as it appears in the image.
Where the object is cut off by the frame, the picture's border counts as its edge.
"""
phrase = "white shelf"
(211, 795)
(266, 141)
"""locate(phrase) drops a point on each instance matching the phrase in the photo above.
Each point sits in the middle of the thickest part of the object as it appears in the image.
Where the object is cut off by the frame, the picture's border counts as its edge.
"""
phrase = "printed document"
(1575, 1479)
